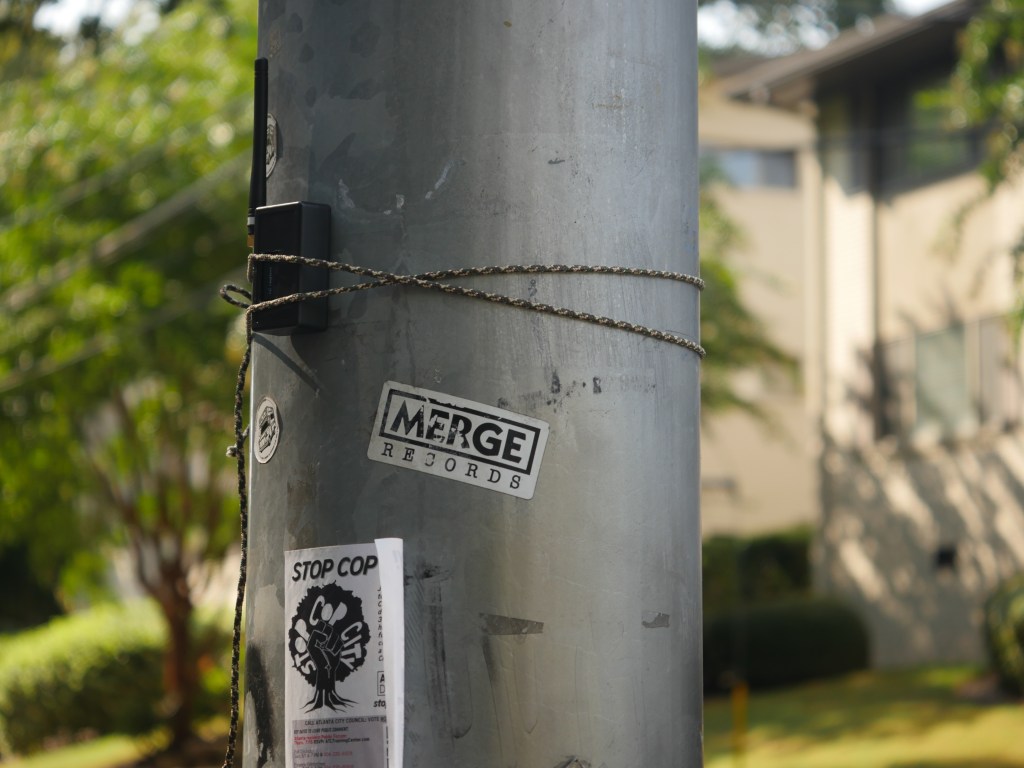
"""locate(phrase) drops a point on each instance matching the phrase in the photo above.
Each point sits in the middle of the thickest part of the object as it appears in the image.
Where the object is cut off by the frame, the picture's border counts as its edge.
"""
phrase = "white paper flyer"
(345, 656)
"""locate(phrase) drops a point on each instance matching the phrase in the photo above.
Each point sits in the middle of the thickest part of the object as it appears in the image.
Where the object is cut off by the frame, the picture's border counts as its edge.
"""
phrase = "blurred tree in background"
(987, 92)
(24, 49)
(734, 336)
(988, 85)
(773, 27)
(123, 171)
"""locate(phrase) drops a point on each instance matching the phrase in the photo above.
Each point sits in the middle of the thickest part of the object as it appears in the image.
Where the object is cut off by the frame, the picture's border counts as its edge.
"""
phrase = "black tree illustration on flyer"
(327, 641)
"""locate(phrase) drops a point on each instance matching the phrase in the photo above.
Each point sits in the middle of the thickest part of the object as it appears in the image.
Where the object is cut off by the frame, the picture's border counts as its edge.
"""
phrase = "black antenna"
(258, 174)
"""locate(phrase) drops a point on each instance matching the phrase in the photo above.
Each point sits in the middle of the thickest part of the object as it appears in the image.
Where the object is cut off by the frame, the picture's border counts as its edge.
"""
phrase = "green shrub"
(720, 573)
(99, 670)
(1004, 633)
(756, 569)
(781, 643)
(776, 565)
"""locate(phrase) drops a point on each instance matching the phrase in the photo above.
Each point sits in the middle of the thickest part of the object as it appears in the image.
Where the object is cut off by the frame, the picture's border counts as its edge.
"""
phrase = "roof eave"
(789, 80)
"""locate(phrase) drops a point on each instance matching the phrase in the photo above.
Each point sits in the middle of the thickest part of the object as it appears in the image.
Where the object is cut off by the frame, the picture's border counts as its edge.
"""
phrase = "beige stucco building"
(760, 476)
(912, 459)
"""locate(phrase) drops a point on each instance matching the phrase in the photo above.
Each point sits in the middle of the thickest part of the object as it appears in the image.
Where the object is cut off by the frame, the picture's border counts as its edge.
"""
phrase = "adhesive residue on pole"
(345, 656)
(268, 430)
(458, 439)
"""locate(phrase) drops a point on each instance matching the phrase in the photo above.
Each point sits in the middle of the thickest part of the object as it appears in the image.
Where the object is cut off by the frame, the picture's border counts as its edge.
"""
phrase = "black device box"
(297, 229)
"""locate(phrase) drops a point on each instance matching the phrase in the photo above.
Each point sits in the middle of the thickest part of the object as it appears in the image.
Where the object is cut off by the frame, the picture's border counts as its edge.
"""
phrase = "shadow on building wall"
(917, 540)
(916, 533)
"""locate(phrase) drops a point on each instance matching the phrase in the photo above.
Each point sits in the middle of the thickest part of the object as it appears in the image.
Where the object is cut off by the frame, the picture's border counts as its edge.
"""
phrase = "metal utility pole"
(558, 630)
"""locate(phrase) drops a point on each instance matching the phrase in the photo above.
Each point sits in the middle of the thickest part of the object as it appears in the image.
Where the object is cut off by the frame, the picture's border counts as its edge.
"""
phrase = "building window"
(941, 389)
(948, 384)
(748, 168)
(915, 140)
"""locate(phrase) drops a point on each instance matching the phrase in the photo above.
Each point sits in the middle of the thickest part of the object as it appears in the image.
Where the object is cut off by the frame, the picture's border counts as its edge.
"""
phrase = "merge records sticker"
(344, 656)
(458, 439)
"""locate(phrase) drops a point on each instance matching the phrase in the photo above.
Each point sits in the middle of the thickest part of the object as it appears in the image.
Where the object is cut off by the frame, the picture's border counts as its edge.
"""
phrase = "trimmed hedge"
(100, 671)
(782, 643)
(756, 569)
(1004, 633)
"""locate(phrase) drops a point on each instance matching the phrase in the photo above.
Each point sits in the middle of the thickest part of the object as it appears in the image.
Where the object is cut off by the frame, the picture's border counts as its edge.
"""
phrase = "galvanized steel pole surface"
(563, 630)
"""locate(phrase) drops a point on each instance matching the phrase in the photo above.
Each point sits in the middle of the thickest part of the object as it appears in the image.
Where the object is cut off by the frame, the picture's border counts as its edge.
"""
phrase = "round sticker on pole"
(268, 430)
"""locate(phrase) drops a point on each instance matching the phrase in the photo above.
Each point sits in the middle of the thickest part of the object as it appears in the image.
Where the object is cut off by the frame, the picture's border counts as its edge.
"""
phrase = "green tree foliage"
(26, 600)
(775, 27)
(17, 17)
(24, 49)
(988, 85)
(123, 179)
(987, 93)
(1004, 633)
(733, 335)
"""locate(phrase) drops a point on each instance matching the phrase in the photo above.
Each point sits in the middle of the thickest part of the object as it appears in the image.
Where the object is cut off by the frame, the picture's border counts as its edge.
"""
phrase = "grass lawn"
(206, 751)
(871, 720)
(100, 753)
(909, 719)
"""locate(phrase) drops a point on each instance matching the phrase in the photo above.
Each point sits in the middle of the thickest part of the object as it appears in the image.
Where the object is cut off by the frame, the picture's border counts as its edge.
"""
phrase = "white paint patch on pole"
(458, 439)
(345, 656)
